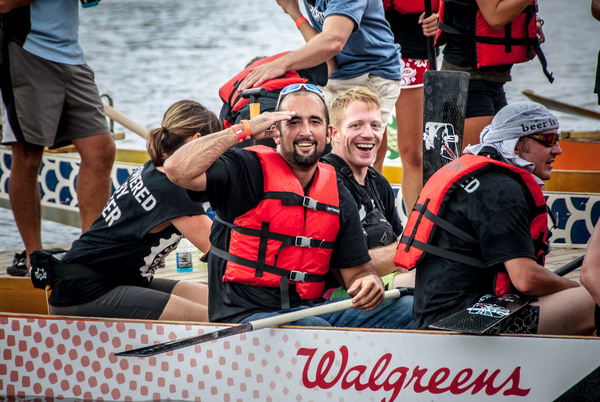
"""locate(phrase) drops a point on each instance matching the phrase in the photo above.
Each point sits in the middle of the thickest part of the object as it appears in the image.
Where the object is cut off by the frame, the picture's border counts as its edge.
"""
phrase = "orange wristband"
(300, 21)
(240, 133)
(246, 126)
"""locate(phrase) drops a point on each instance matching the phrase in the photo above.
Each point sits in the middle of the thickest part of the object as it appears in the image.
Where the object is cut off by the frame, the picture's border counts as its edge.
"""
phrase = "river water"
(149, 54)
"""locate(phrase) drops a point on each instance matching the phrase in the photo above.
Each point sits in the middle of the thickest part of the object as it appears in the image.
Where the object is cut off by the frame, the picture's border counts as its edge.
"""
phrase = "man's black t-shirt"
(235, 186)
(496, 214)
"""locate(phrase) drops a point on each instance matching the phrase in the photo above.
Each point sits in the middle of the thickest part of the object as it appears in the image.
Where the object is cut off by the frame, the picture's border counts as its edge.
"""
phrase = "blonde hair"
(181, 121)
(337, 108)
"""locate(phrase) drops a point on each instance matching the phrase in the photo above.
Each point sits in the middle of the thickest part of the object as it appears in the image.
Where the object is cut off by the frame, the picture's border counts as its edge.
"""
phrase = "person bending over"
(109, 270)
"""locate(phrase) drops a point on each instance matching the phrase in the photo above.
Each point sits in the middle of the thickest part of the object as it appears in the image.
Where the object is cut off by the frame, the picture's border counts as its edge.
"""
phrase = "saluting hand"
(261, 126)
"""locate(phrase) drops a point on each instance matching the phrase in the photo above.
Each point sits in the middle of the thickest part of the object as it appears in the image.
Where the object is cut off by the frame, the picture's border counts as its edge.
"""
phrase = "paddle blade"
(182, 343)
(444, 110)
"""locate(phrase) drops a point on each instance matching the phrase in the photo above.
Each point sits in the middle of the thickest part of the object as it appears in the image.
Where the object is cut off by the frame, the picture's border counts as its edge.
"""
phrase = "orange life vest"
(410, 6)
(232, 99)
(424, 217)
(516, 42)
(288, 238)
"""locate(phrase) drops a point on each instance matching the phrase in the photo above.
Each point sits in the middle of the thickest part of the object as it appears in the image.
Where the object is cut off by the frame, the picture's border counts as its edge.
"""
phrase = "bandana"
(512, 122)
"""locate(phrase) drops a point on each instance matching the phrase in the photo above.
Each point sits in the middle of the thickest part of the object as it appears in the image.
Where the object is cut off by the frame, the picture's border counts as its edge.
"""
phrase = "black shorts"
(485, 98)
(137, 302)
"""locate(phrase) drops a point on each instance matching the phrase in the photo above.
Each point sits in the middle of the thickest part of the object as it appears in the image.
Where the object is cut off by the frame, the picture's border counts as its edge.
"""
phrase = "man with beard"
(283, 219)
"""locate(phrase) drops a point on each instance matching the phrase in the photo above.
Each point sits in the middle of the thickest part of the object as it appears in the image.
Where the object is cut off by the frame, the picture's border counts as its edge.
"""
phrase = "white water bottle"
(184, 256)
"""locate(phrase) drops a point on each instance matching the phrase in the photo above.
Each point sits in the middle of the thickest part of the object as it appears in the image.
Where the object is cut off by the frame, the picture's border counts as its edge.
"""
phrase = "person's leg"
(304, 322)
(93, 182)
(473, 127)
(409, 121)
(485, 99)
(381, 152)
(396, 314)
(194, 291)
(568, 312)
(24, 193)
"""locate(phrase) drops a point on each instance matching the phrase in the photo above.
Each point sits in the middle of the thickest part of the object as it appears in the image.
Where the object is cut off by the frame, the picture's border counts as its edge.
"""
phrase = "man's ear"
(331, 133)
(277, 136)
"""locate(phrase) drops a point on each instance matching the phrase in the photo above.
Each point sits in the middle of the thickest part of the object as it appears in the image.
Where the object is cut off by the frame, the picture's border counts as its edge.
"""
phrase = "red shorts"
(412, 72)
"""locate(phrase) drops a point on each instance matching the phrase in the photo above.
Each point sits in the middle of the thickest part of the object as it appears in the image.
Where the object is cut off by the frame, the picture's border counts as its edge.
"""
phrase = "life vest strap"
(440, 252)
(293, 199)
(448, 227)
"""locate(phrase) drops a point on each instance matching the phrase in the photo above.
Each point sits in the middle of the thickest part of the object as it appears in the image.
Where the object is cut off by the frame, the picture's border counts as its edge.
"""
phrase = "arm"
(382, 259)
(8, 5)
(196, 229)
(321, 48)
(364, 285)
(596, 9)
(498, 13)
(533, 279)
(188, 165)
(590, 270)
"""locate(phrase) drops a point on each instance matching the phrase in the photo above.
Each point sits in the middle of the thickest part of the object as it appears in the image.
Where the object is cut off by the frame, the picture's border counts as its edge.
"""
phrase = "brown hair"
(181, 121)
(337, 108)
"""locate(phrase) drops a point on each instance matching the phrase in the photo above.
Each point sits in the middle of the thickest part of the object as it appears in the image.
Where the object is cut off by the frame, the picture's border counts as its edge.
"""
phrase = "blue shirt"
(54, 31)
(370, 48)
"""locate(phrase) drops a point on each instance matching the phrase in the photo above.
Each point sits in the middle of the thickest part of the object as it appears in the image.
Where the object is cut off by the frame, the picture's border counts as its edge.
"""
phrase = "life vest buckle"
(310, 203)
(297, 276)
(302, 241)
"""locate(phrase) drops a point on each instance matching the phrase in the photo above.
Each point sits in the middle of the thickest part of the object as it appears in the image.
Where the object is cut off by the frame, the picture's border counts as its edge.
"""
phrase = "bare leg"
(568, 312)
(409, 119)
(381, 152)
(405, 280)
(188, 302)
(473, 127)
(93, 183)
(24, 193)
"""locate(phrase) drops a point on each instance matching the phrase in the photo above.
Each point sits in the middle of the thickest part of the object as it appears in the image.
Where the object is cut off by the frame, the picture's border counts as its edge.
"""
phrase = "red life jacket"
(233, 101)
(410, 6)
(288, 238)
(514, 43)
(457, 174)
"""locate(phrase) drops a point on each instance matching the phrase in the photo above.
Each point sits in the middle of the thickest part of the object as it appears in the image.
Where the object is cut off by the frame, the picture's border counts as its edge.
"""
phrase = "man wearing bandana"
(480, 228)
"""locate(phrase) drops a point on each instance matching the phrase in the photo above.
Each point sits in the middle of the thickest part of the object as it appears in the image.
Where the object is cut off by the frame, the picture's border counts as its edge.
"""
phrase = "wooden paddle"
(562, 107)
(125, 121)
(485, 315)
(255, 325)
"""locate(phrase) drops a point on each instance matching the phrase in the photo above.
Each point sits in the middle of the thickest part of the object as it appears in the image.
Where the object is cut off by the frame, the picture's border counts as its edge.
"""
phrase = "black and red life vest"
(424, 217)
(516, 42)
(410, 6)
(288, 237)
(233, 101)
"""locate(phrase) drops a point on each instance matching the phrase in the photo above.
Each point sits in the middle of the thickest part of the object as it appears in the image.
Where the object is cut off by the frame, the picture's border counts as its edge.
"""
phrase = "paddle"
(561, 107)
(255, 325)
(429, 39)
(126, 121)
(444, 111)
(485, 315)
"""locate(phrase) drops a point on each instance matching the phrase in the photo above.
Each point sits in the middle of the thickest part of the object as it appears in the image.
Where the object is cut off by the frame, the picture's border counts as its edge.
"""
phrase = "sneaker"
(19, 265)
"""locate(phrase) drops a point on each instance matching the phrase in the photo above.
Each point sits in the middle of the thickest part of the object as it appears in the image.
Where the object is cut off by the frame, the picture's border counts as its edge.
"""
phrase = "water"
(148, 55)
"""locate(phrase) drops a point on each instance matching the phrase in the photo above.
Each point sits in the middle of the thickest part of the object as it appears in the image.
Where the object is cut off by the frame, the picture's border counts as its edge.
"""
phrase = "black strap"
(293, 199)
(440, 252)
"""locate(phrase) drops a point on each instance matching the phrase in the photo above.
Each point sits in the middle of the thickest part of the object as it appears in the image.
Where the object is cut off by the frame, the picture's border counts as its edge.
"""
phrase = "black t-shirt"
(496, 214)
(118, 245)
(235, 186)
(408, 33)
(384, 190)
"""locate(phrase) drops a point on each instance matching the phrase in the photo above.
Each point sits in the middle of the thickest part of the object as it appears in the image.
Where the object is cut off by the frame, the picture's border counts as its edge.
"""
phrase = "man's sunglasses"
(547, 139)
(296, 87)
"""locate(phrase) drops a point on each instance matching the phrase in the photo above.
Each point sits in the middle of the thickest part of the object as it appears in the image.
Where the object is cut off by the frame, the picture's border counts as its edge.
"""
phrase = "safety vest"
(425, 216)
(232, 99)
(288, 237)
(410, 6)
(516, 42)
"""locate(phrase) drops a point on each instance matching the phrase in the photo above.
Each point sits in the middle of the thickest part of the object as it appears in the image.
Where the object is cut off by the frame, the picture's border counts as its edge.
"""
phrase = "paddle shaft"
(255, 325)
(570, 266)
(125, 121)
(561, 106)
(429, 39)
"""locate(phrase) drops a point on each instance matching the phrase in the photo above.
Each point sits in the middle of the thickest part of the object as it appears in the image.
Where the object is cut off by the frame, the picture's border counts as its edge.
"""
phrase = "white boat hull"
(74, 358)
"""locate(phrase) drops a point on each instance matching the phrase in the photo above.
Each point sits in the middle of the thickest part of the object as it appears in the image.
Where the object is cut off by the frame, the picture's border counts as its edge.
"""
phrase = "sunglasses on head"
(296, 87)
(547, 139)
